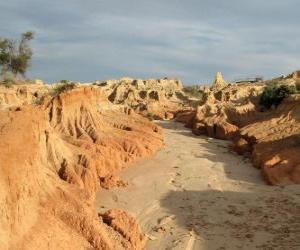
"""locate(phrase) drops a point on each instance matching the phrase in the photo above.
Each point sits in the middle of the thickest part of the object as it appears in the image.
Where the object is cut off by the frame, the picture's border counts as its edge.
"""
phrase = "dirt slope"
(53, 159)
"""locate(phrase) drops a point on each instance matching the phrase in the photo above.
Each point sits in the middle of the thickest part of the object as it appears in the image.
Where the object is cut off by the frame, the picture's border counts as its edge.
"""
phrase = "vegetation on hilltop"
(298, 85)
(62, 87)
(274, 94)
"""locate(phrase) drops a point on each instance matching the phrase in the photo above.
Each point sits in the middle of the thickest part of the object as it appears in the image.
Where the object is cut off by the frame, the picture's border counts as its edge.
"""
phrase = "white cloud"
(191, 39)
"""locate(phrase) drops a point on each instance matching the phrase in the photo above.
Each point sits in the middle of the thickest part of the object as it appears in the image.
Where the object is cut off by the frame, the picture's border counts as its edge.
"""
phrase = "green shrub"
(274, 94)
(298, 86)
(64, 81)
(99, 84)
(62, 87)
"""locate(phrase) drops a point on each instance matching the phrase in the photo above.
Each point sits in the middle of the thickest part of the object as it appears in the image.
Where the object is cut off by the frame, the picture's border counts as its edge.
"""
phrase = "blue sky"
(191, 39)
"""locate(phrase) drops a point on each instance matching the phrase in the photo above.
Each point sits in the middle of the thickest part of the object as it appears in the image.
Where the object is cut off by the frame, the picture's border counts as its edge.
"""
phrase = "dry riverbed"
(197, 194)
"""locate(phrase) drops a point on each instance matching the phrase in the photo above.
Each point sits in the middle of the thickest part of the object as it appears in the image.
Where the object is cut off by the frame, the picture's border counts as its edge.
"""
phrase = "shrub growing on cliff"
(298, 86)
(15, 55)
(274, 94)
(62, 87)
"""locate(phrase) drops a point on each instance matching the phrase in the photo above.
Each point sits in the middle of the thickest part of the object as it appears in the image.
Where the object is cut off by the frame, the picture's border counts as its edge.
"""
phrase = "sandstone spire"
(219, 82)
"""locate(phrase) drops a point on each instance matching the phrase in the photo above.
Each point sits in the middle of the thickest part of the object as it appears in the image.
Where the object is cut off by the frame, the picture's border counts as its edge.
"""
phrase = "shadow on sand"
(235, 220)
(266, 217)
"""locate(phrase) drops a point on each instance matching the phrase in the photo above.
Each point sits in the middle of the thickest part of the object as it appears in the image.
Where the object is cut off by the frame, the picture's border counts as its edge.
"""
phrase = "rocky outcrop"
(224, 111)
(274, 142)
(17, 95)
(295, 75)
(291, 79)
(53, 158)
(219, 82)
(160, 99)
(270, 138)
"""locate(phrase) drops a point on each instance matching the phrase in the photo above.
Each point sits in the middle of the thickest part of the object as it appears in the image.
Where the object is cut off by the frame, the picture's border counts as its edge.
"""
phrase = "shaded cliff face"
(275, 142)
(53, 159)
(159, 98)
(270, 138)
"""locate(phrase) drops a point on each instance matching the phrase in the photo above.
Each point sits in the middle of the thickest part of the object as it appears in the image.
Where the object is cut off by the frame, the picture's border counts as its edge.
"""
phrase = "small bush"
(100, 84)
(274, 94)
(64, 81)
(63, 87)
(298, 86)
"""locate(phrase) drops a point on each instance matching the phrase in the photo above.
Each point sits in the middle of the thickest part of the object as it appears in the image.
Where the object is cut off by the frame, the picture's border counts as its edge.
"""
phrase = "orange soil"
(52, 159)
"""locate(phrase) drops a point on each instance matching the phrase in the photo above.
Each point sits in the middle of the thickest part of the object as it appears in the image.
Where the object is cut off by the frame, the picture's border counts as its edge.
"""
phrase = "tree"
(15, 55)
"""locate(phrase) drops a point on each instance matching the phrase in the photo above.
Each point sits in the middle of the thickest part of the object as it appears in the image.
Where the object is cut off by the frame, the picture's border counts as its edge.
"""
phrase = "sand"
(197, 194)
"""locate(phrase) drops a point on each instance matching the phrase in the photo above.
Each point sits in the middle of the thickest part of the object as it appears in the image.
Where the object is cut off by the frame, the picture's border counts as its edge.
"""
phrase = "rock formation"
(58, 149)
(158, 98)
(274, 142)
(221, 114)
(17, 95)
(53, 158)
(219, 82)
(295, 75)
(270, 138)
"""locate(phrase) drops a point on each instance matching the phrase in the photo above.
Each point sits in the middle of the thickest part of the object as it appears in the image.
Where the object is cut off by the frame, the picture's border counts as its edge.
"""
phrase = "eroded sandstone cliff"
(273, 139)
(269, 137)
(53, 159)
(160, 99)
(20, 94)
